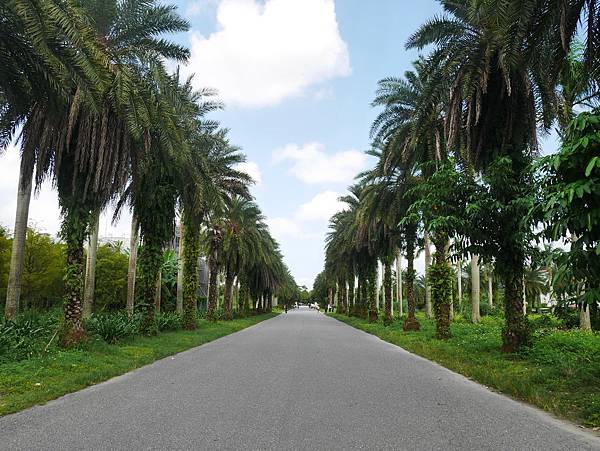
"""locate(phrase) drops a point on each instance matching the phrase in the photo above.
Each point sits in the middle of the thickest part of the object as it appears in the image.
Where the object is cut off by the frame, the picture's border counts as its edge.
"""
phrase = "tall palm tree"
(410, 129)
(92, 152)
(500, 89)
(241, 237)
(46, 48)
(211, 176)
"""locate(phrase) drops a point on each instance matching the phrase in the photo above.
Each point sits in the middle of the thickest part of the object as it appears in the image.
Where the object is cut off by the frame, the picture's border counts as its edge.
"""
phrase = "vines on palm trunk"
(74, 230)
(191, 254)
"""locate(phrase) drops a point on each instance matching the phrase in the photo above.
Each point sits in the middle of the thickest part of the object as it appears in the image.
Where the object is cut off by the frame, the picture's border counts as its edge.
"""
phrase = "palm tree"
(500, 87)
(411, 131)
(382, 211)
(91, 152)
(241, 236)
(45, 48)
(111, 144)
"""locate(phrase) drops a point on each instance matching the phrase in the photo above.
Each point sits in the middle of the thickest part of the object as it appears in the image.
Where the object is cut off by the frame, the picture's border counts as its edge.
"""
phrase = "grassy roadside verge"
(38, 380)
(560, 373)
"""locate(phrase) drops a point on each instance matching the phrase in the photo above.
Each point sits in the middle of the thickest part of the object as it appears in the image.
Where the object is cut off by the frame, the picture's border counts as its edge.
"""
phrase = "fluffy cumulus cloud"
(251, 168)
(312, 165)
(320, 207)
(266, 51)
(282, 228)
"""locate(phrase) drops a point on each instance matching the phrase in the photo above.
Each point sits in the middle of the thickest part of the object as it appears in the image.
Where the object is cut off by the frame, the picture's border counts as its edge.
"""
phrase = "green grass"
(559, 373)
(40, 379)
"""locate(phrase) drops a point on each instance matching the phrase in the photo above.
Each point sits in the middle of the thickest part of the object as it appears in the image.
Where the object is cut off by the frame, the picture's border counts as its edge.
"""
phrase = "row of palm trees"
(86, 85)
(453, 147)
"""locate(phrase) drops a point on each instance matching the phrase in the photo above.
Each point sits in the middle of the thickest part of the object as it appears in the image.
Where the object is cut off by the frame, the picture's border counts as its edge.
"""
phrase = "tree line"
(85, 89)
(458, 166)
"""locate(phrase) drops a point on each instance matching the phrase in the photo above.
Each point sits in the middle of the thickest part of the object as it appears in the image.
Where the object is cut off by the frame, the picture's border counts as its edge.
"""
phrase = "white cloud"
(320, 207)
(312, 165)
(193, 9)
(264, 52)
(284, 227)
(197, 7)
(251, 168)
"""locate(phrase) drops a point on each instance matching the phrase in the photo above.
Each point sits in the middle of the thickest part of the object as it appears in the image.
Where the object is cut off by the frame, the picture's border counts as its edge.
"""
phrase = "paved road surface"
(298, 381)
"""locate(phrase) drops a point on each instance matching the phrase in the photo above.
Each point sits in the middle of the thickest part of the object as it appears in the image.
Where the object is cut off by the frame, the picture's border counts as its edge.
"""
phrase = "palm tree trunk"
(441, 277)
(585, 322)
(189, 249)
(158, 292)
(227, 316)
(411, 322)
(340, 301)
(515, 333)
(358, 298)
(365, 298)
(90, 268)
(387, 288)
(427, 245)
(179, 302)
(475, 290)
(74, 230)
(213, 291)
(213, 265)
(378, 285)
(524, 297)
(399, 283)
(133, 248)
(373, 281)
(13, 291)
(491, 288)
(243, 300)
(150, 262)
(459, 282)
(351, 301)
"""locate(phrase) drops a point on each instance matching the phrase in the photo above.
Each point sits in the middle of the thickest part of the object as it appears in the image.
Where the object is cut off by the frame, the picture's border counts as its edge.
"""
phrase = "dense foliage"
(457, 167)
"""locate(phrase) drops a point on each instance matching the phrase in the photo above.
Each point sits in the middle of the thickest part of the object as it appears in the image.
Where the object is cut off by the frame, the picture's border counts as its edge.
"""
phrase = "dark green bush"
(168, 321)
(112, 327)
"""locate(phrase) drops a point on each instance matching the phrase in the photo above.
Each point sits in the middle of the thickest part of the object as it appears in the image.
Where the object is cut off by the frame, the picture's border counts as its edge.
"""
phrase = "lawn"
(39, 379)
(559, 373)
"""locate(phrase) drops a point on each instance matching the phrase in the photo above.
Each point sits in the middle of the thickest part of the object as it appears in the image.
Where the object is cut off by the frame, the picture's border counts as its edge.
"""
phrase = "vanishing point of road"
(298, 381)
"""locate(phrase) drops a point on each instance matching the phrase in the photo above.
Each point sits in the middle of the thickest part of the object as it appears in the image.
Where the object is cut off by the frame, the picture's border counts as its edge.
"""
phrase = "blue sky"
(297, 77)
(308, 144)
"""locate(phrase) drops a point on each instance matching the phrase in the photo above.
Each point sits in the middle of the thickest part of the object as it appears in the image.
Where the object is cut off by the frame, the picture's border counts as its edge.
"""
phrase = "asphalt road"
(298, 381)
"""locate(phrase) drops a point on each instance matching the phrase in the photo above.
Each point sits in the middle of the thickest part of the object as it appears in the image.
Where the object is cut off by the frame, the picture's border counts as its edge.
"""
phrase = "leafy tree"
(570, 206)
(241, 239)
(111, 278)
(43, 270)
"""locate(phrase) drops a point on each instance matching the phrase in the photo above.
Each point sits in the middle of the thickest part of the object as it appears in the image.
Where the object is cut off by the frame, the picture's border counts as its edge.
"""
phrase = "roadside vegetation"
(87, 97)
(459, 175)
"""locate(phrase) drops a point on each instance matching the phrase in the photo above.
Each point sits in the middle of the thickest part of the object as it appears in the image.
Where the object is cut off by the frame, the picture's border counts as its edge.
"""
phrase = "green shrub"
(112, 327)
(27, 336)
(538, 322)
(168, 321)
(568, 315)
